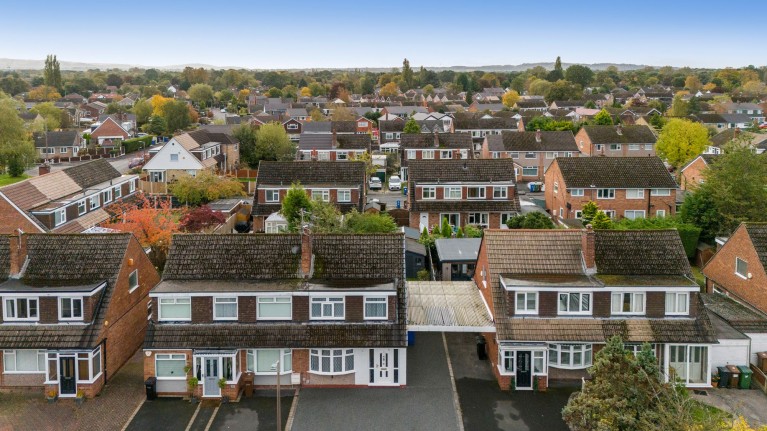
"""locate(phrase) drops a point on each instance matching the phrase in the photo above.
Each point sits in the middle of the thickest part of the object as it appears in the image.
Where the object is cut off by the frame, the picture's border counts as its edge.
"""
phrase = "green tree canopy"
(681, 141)
(411, 126)
(273, 143)
(356, 222)
(296, 200)
(603, 118)
(533, 220)
(204, 187)
(589, 211)
(601, 221)
(202, 94)
(16, 149)
(580, 75)
(50, 113)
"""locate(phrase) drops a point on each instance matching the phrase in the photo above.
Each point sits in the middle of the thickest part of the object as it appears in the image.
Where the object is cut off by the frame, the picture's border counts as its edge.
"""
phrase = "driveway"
(257, 413)
(485, 407)
(390, 198)
(749, 403)
(425, 404)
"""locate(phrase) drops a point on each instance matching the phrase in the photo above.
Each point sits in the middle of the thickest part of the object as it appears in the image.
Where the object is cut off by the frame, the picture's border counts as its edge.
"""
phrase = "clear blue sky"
(300, 34)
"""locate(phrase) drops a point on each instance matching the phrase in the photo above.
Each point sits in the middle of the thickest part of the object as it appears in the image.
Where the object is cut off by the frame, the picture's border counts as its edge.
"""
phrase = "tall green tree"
(411, 126)
(601, 221)
(295, 203)
(202, 94)
(556, 74)
(52, 72)
(407, 74)
(273, 143)
(700, 209)
(580, 75)
(563, 90)
(603, 118)
(589, 211)
(176, 115)
(143, 110)
(246, 136)
(50, 113)
(16, 149)
(680, 141)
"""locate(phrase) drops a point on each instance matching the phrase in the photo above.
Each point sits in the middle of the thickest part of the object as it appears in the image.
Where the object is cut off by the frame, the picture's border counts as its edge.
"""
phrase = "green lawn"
(6, 179)
(707, 415)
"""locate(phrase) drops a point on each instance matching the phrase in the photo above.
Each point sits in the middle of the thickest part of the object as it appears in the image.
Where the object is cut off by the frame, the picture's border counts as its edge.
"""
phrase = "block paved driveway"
(425, 404)
(107, 412)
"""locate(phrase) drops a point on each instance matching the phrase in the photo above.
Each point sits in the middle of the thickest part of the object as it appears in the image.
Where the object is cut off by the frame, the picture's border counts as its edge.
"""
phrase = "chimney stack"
(538, 135)
(619, 129)
(18, 252)
(436, 139)
(334, 144)
(43, 169)
(588, 249)
(307, 258)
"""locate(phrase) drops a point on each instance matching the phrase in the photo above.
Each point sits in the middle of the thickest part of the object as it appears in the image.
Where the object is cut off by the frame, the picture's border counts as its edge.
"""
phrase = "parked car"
(136, 162)
(395, 183)
(375, 183)
(763, 125)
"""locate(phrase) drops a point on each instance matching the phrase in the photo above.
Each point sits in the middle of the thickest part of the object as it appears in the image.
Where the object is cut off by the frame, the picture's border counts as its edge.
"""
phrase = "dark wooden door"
(67, 376)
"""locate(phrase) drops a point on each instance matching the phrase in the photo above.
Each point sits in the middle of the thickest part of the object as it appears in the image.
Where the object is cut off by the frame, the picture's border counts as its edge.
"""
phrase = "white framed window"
(342, 155)
(225, 308)
(410, 153)
(514, 154)
(24, 361)
(504, 218)
(599, 147)
(170, 366)
(331, 361)
(292, 126)
(70, 308)
(274, 308)
(327, 308)
(551, 155)
(634, 193)
(476, 192)
(362, 124)
(429, 192)
(344, 195)
(500, 192)
(741, 267)
(174, 157)
(539, 364)
(48, 150)
(272, 195)
(627, 303)
(21, 309)
(556, 187)
(59, 217)
(376, 308)
(390, 136)
(323, 155)
(95, 202)
(633, 147)
(264, 361)
(530, 171)
(660, 213)
(578, 213)
(507, 361)
(677, 303)
(445, 155)
(574, 303)
(479, 219)
(633, 214)
(605, 193)
(531, 155)
(133, 280)
(175, 309)
(427, 154)
(572, 356)
(132, 185)
(526, 303)
(690, 363)
(660, 192)
(635, 348)
(452, 193)
(321, 195)
(615, 147)
(576, 192)
(81, 207)
(495, 154)
(106, 196)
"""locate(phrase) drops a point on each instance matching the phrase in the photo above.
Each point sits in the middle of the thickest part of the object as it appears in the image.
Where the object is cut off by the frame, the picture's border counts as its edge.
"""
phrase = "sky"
(350, 34)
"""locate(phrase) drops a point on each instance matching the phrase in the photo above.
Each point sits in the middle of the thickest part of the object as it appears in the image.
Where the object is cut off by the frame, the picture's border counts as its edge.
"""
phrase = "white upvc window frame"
(677, 298)
(272, 300)
(615, 147)
(59, 216)
(530, 168)
(484, 219)
(106, 196)
(82, 207)
(344, 195)
(576, 192)
(634, 147)
(72, 300)
(586, 351)
(556, 187)
(579, 312)
(132, 185)
(427, 154)
(324, 195)
(94, 201)
(226, 300)
(480, 190)
(411, 154)
(286, 361)
(377, 301)
(445, 154)
(634, 193)
(325, 303)
(272, 192)
(131, 285)
(660, 192)
(660, 213)
(744, 274)
(449, 191)
(15, 308)
(316, 361)
(501, 192)
(634, 214)
(177, 300)
(10, 356)
(636, 300)
(428, 192)
(530, 155)
(605, 193)
(525, 309)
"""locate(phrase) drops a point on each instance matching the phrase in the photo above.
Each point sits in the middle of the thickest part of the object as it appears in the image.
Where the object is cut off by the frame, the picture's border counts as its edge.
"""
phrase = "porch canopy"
(447, 306)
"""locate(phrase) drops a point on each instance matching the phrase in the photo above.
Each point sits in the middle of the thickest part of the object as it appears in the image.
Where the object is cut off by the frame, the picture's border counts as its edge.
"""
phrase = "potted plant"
(222, 386)
(513, 386)
(192, 385)
(80, 398)
(715, 380)
(51, 396)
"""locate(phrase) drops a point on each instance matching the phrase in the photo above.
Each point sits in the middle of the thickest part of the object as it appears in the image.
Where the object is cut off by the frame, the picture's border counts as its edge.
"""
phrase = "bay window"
(264, 361)
(175, 309)
(574, 303)
(331, 361)
(572, 356)
(274, 308)
(628, 303)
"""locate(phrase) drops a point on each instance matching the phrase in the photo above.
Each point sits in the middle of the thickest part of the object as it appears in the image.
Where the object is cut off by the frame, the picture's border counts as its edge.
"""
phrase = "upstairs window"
(272, 195)
(476, 192)
(60, 217)
(677, 303)
(605, 193)
(634, 193)
(452, 193)
(574, 303)
(21, 309)
(500, 192)
(225, 308)
(660, 192)
(81, 208)
(321, 195)
(429, 193)
(71, 309)
(344, 196)
(526, 303)
(329, 308)
(576, 192)
(175, 309)
(628, 303)
(95, 202)
(376, 308)
(445, 154)
(741, 267)
(275, 308)
(410, 154)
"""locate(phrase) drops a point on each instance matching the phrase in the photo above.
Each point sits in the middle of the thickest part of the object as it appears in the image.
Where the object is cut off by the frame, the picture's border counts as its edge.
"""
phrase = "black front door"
(524, 374)
(67, 376)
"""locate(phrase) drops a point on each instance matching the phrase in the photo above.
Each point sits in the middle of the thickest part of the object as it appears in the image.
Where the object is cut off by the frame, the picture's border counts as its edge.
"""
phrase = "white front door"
(424, 222)
(383, 367)
(210, 379)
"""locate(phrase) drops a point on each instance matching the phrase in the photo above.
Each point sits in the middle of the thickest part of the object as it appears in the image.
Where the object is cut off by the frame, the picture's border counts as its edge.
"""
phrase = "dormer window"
(60, 216)
(81, 207)
(71, 309)
(95, 202)
(21, 309)
(628, 303)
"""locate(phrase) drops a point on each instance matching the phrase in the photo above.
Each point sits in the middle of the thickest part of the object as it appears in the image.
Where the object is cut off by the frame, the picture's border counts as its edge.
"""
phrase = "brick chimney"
(538, 135)
(588, 249)
(619, 129)
(334, 143)
(307, 258)
(43, 169)
(436, 139)
(18, 252)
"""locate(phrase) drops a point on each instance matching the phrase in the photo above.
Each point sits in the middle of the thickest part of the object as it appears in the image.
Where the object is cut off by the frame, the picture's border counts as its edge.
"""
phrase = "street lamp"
(276, 366)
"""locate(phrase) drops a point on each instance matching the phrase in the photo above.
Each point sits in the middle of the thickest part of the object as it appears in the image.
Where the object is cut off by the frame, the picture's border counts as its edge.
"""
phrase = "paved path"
(107, 412)
(425, 404)
(749, 403)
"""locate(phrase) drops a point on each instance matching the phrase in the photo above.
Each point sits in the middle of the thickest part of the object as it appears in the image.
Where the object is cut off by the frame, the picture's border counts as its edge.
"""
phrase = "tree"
(202, 94)
(679, 107)
(356, 222)
(700, 209)
(176, 115)
(601, 221)
(580, 75)
(446, 230)
(590, 105)
(533, 220)
(44, 92)
(13, 85)
(627, 392)
(323, 217)
(556, 74)
(692, 83)
(407, 74)
(50, 113)
(389, 90)
(563, 90)
(603, 118)
(688, 233)
(317, 89)
(342, 113)
(273, 143)
(589, 211)
(204, 187)
(52, 72)
(469, 97)
(316, 115)
(539, 87)
(472, 231)
(680, 141)
(510, 98)
(246, 136)
(295, 203)
(428, 89)
(411, 126)
(16, 148)
(306, 92)
(201, 218)
(114, 80)
(156, 125)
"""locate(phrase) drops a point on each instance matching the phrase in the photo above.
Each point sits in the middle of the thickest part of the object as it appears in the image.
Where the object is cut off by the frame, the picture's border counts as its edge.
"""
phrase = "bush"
(423, 275)
(135, 144)
(534, 220)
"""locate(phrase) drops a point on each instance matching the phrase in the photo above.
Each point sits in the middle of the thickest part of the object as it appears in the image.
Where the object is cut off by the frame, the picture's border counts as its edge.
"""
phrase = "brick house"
(332, 147)
(293, 127)
(433, 146)
(331, 308)
(553, 311)
(691, 175)
(339, 182)
(74, 309)
(58, 144)
(631, 187)
(739, 268)
(481, 125)
(532, 152)
(465, 192)
(616, 141)
(109, 134)
(67, 201)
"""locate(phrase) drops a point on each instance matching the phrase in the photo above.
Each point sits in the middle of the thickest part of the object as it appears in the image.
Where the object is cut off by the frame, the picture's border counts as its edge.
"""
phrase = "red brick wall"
(11, 219)
(246, 309)
(202, 309)
(656, 304)
(483, 283)
(300, 308)
(692, 175)
(547, 306)
(354, 311)
(49, 311)
(601, 304)
(720, 271)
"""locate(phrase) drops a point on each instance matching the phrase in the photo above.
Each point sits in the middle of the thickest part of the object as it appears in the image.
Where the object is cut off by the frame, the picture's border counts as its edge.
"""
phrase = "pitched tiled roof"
(522, 251)
(442, 140)
(68, 260)
(315, 141)
(37, 191)
(352, 142)
(109, 128)
(758, 234)
(471, 170)
(308, 173)
(615, 172)
(758, 140)
(344, 126)
(391, 126)
(627, 135)
(741, 317)
(377, 256)
(468, 120)
(526, 141)
(534, 103)
(92, 173)
(64, 138)
(317, 126)
(640, 252)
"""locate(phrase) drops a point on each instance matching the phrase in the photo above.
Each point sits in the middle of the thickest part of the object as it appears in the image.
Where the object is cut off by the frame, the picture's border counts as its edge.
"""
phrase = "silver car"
(375, 183)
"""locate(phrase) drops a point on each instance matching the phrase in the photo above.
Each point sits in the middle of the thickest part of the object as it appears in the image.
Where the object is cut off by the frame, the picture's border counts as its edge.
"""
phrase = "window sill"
(267, 319)
(379, 319)
(741, 276)
(569, 367)
(525, 313)
(341, 373)
(224, 319)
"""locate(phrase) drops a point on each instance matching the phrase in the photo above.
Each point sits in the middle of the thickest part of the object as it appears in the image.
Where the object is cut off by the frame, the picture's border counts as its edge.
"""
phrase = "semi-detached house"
(532, 152)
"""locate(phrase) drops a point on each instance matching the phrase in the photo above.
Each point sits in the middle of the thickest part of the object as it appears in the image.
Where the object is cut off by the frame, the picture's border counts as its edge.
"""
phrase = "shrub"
(423, 274)
(135, 144)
